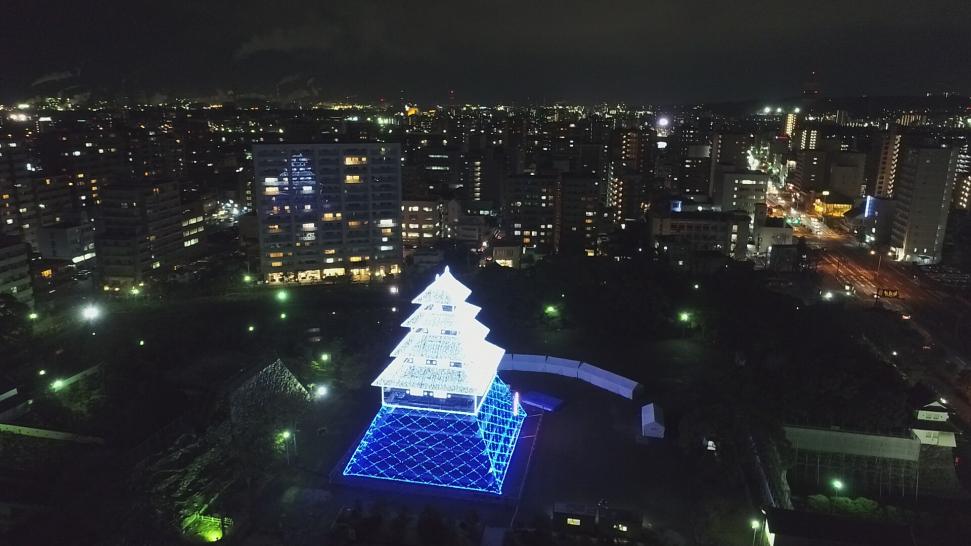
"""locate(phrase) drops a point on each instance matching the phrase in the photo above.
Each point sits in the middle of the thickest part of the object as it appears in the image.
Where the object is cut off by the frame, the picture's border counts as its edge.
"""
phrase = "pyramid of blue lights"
(446, 419)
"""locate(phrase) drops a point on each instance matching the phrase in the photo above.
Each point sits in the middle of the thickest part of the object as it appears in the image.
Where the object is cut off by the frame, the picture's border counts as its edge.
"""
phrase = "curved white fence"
(575, 369)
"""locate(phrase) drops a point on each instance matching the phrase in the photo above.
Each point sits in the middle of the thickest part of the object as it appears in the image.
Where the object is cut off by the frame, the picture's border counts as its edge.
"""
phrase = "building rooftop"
(830, 529)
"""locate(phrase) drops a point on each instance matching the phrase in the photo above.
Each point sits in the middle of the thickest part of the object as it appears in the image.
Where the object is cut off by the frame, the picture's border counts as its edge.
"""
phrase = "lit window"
(352, 179)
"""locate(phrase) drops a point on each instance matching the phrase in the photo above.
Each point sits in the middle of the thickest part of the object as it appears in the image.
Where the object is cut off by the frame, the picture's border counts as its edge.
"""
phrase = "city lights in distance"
(90, 312)
(663, 122)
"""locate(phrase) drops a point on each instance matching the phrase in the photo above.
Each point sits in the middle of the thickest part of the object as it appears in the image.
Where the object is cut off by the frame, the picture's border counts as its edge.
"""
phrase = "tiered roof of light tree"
(445, 349)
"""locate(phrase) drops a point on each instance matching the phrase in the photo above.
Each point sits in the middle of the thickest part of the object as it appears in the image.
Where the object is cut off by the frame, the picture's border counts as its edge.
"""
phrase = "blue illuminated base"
(442, 449)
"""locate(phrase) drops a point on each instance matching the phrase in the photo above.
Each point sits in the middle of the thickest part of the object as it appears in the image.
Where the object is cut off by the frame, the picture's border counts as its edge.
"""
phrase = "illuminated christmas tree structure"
(445, 419)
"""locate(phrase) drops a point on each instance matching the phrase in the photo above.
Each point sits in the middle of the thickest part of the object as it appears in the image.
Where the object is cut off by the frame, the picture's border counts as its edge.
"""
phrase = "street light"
(283, 316)
(33, 316)
(684, 316)
(755, 525)
(250, 328)
(325, 357)
(393, 289)
(57, 384)
(837, 485)
(282, 295)
(247, 278)
(42, 372)
(90, 312)
(550, 310)
(320, 392)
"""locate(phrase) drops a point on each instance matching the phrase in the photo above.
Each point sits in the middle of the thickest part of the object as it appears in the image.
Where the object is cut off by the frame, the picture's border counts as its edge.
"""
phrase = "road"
(943, 319)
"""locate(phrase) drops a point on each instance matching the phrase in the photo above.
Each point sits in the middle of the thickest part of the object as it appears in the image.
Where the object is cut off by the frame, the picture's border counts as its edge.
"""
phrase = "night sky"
(632, 50)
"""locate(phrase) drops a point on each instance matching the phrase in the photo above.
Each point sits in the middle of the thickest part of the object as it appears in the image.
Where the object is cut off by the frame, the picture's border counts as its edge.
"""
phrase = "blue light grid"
(442, 449)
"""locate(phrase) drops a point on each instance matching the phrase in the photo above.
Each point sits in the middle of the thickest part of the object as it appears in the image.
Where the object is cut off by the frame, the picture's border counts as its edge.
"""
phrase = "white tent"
(652, 421)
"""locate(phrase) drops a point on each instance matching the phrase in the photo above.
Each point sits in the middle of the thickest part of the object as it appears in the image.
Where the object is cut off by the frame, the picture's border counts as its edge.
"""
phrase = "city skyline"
(634, 51)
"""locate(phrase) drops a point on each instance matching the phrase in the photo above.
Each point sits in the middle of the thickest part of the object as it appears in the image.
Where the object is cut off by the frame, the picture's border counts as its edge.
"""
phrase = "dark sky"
(633, 50)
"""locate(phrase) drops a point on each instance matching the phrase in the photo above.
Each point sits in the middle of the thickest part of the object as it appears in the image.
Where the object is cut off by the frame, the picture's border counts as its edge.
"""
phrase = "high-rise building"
(139, 230)
(846, 174)
(811, 170)
(692, 167)
(729, 153)
(682, 233)
(575, 229)
(923, 191)
(14, 177)
(742, 190)
(789, 124)
(886, 152)
(15, 269)
(328, 210)
(528, 210)
(421, 223)
(807, 138)
(630, 168)
(962, 185)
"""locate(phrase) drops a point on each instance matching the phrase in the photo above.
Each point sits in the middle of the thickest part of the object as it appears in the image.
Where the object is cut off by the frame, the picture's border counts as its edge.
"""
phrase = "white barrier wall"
(575, 369)
(50, 434)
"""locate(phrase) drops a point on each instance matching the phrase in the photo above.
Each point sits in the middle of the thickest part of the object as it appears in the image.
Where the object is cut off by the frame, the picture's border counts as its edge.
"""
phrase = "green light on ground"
(282, 295)
(212, 535)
